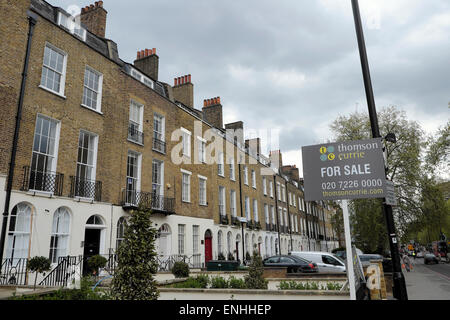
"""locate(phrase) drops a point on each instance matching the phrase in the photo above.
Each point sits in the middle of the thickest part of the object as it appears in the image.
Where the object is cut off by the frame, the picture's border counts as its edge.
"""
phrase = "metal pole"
(399, 289)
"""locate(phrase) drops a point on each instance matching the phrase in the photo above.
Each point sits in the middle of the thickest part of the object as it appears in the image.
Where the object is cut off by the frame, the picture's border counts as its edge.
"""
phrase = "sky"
(289, 68)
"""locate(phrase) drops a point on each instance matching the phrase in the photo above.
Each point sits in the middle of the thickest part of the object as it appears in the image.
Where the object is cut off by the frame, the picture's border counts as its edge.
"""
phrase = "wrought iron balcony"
(159, 145)
(224, 219)
(134, 134)
(147, 200)
(258, 225)
(89, 189)
(235, 221)
(250, 224)
(268, 226)
(48, 181)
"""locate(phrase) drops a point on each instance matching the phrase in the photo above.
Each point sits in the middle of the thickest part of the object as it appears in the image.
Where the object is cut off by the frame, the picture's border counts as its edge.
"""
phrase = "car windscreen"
(301, 260)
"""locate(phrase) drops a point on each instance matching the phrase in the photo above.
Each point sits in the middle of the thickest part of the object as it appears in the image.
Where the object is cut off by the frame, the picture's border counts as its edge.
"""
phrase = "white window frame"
(266, 213)
(140, 121)
(63, 72)
(271, 188)
(221, 165)
(247, 208)
(202, 200)
(232, 169)
(181, 239)
(253, 178)
(186, 138)
(161, 177)
(245, 175)
(186, 194)
(73, 26)
(233, 203)
(222, 201)
(255, 210)
(264, 180)
(98, 91)
(201, 149)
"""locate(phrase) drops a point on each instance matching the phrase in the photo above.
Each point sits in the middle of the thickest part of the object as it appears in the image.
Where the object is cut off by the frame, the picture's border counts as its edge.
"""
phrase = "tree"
(403, 168)
(137, 264)
(255, 279)
(38, 265)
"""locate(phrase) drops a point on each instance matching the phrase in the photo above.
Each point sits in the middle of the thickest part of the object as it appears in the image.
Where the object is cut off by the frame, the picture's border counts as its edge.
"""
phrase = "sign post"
(348, 249)
(344, 171)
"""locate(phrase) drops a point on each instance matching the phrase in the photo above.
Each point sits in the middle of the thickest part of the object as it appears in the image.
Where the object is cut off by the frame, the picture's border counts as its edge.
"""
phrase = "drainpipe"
(277, 215)
(32, 19)
(240, 202)
(288, 214)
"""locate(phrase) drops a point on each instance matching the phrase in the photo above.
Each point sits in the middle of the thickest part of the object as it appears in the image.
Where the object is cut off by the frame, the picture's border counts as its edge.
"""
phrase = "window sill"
(51, 91)
(221, 175)
(187, 202)
(96, 111)
(203, 204)
(40, 193)
(81, 199)
(159, 151)
(135, 142)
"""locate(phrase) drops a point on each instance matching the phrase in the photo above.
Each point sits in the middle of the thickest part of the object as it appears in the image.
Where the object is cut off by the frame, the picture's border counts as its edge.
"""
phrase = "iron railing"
(159, 145)
(48, 181)
(224, 219)
(166, 263)
(250, 224)
(235, 221)
(84, 188)
(147, 200)
(134, 134)
(14, 271)
(65, 271)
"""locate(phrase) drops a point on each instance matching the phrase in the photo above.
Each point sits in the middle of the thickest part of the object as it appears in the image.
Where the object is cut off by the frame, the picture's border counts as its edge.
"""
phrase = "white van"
(326, 262)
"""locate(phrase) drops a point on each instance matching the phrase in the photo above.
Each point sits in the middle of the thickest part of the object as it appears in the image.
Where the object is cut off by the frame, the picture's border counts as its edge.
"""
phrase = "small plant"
(219, 283)
(236, 283)
(191, 282)
(180, 269)
(96, 262)
(247, 256)
(230, 257)
(38, 265)
(221, 256)
(203, 279)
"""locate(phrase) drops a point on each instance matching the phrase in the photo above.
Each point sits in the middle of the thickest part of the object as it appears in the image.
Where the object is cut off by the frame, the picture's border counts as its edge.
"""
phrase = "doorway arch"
(208, 246)
(164, 240)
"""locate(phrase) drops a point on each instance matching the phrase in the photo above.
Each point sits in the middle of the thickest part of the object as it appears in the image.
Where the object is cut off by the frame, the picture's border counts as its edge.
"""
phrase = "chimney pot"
(91, 6)
(189, 78)
(96, 3)
(146, 52)
(154, 51)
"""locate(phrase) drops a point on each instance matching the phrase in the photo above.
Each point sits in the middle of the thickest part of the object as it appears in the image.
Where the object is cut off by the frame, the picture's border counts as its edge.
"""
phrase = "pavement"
(428, 282)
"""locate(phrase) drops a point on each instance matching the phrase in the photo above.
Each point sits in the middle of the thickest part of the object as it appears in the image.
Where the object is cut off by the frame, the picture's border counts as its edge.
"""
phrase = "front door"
(91, 247)
(208, 249)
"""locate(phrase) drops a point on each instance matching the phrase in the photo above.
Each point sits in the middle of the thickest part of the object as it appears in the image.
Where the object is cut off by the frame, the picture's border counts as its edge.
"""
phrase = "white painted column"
(348, 246)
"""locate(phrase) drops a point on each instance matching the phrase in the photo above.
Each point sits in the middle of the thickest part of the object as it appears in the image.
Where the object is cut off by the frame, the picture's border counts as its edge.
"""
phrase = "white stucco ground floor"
(44, 225)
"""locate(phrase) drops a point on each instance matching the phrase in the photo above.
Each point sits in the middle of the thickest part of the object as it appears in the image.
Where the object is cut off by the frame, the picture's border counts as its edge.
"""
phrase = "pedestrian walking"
(406, 263)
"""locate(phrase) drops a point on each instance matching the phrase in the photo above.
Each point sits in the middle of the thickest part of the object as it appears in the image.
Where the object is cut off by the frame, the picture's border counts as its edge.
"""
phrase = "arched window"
(19, 232)
(59, 240)
(219, 243)
(229, 244)
(120, 231)
(94, 220)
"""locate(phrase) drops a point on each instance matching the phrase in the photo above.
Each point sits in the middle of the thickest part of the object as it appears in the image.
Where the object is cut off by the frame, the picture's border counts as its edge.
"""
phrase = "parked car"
(343, 253)
(294, 264)
(430, 258)
(326, 262)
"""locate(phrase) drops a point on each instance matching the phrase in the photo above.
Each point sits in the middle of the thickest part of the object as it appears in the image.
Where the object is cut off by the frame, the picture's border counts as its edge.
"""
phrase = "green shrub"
(230, 257)
(203, 279)
(236, 283)
(96, 262)
(219, 283)
(180, 269)
(255, 279)
(221, 257)
(292, 285)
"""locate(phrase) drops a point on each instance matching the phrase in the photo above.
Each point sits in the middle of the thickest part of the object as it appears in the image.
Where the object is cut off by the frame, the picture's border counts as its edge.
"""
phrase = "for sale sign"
(344, 170)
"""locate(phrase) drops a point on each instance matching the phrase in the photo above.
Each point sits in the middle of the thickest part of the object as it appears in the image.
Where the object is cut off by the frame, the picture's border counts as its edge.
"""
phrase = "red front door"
(208, 249)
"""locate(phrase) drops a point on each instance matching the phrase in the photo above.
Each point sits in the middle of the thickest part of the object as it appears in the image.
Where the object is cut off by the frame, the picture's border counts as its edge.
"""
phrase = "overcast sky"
(292, 66)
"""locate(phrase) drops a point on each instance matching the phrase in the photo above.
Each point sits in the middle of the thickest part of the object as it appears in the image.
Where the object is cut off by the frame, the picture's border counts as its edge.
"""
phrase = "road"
(428, 282)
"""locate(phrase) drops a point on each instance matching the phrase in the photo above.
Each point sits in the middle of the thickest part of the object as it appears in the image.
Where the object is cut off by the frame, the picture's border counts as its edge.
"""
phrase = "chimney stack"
(94, 18)
(148, 62)
(235, 131)
(212, 112)
(183, 90)
(276, 161)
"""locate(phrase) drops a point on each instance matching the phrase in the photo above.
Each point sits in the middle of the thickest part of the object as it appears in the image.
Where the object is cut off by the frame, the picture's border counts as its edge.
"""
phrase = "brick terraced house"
(87, 137)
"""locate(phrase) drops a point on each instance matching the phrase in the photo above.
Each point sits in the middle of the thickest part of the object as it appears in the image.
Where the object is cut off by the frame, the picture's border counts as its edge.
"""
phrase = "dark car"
(294, 264)
(430, 258)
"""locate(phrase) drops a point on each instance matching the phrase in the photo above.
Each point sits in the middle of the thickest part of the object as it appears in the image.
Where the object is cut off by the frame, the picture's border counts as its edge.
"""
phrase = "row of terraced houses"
(87, 137)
